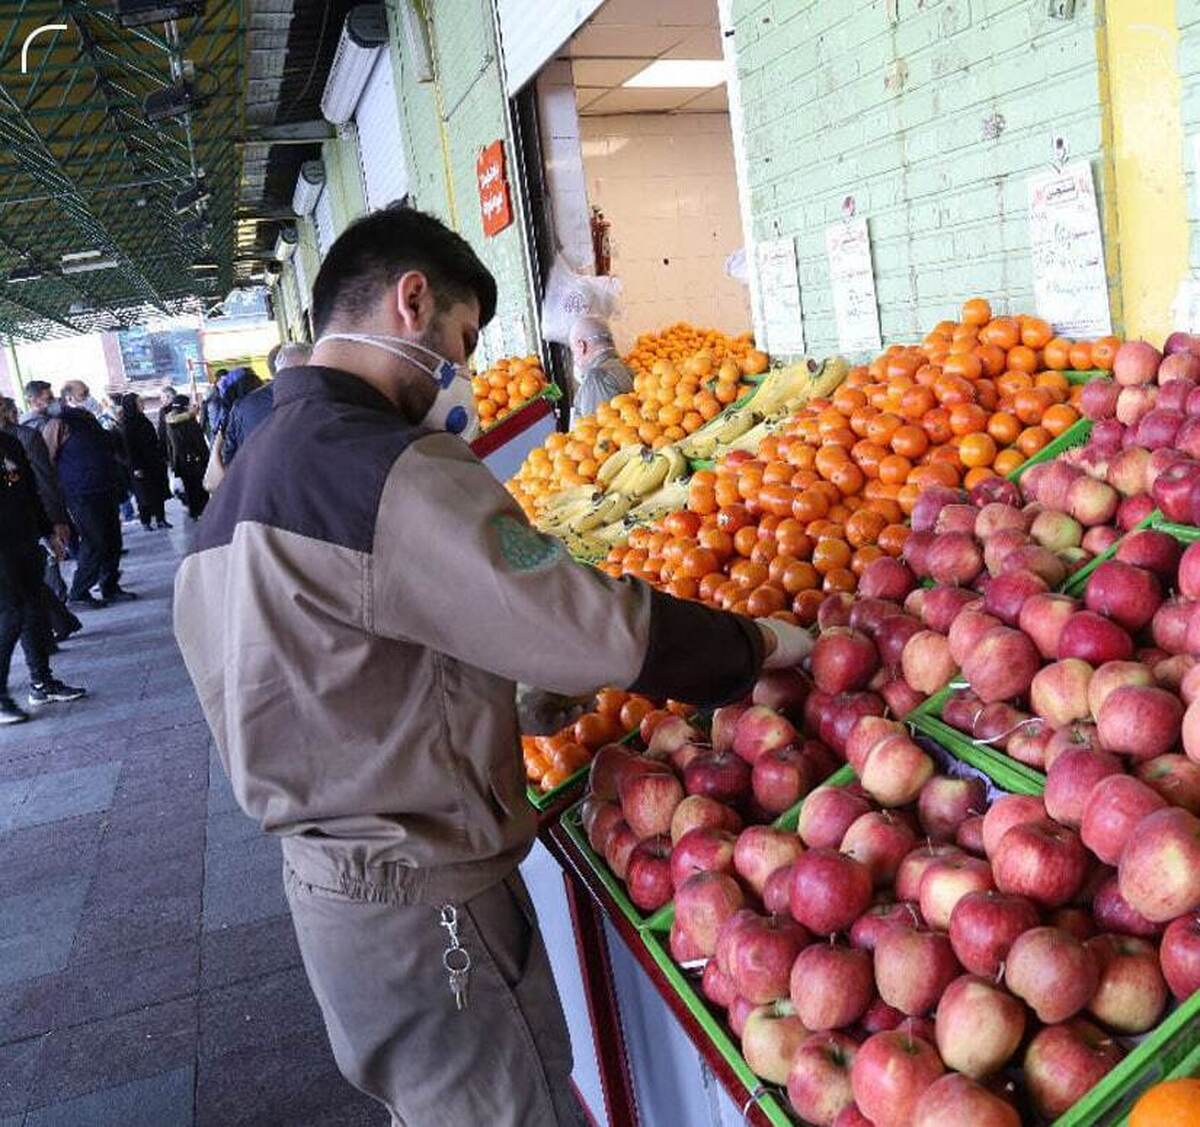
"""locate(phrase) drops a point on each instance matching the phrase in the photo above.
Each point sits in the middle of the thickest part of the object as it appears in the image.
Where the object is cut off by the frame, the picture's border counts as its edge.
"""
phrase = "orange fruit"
(1104, 352)
(1022, 359)
(977, 449)
(1035, 333)
(1169, 1103)
(1081, 356)
(976, 312)
(1058, 418)
(968, 366)
(1057, 354)
(1008, 460)
(1032, 439)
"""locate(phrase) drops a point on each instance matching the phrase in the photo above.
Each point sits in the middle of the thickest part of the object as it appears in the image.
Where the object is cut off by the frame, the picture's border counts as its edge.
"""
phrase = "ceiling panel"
(715, 100)
(607, 72)
(663, 13)
(702, 43)
(625, 41)
(622, 100)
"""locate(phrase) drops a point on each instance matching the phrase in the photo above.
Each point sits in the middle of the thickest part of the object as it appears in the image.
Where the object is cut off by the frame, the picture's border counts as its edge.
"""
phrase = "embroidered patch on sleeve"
(524, 548)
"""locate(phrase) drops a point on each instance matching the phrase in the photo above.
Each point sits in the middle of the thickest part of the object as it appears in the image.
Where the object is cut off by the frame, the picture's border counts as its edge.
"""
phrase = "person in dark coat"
(146, 463)
(188, 453)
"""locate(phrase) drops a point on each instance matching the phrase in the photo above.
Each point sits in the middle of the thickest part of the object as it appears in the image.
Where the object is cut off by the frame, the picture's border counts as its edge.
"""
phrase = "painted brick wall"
(1188, 15)
(666, 184)
(840, 102)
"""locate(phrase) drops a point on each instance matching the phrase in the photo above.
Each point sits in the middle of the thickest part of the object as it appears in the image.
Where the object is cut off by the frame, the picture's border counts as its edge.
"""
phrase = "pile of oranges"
(832, 490)
(674, 395)
(551, 760)
(506, 387)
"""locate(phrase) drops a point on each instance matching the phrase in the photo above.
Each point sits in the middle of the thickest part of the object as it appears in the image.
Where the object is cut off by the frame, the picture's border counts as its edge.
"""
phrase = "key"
(457, 961)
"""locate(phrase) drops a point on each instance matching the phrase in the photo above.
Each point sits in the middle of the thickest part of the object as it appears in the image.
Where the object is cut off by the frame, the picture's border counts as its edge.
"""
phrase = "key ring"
(447, 962)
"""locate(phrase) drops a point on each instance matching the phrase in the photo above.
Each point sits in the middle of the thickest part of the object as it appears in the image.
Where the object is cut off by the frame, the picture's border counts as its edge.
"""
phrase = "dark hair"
(36, 387)
(374, 251)
(242, 381)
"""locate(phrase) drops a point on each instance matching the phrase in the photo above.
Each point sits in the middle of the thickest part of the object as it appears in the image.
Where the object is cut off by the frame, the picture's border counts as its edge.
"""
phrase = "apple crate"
(1076, 582)
(1076, 434)
(543, 800)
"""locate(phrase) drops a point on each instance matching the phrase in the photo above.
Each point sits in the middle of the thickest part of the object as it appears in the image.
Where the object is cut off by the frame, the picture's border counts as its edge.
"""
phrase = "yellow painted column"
(1147, 160)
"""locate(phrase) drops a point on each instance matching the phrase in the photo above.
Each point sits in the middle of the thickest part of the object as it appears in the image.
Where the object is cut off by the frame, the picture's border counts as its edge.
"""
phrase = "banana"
(831, 375)
(623, 481)
(677, 463)
(615, 462)
(610, 507)
(654, 473)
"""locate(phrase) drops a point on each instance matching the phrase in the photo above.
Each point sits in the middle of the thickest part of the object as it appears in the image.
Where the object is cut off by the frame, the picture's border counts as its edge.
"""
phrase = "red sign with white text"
(495, 202)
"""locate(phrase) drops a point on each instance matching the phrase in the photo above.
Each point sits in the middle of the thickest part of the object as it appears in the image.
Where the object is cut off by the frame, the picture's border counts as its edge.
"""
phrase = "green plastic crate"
(1075, 376)
(998, 767)
(572, 823)
(1075, 435)
(1184, 533)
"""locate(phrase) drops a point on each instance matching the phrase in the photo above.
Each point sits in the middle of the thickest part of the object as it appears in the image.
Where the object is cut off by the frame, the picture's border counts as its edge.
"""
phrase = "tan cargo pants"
(376, 969)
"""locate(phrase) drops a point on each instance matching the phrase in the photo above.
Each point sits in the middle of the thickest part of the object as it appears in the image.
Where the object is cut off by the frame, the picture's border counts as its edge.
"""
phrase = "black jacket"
(185, 440)
(22, 517)
(146, 460)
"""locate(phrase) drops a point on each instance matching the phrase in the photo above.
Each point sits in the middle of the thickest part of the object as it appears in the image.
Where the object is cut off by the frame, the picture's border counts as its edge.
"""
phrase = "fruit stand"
(1003, 671)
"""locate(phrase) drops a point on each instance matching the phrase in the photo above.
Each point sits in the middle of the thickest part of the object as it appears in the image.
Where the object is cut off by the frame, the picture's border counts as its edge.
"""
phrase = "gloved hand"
(542, 713)
(792, 643)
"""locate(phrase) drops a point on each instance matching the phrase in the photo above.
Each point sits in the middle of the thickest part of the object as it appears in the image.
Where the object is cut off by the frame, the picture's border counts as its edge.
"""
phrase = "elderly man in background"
(600, 373)
(75, 393)
(250, 412)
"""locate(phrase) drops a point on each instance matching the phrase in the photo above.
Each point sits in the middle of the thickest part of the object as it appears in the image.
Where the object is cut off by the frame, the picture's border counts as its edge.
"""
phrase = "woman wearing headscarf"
(146, 463)
(188, 453)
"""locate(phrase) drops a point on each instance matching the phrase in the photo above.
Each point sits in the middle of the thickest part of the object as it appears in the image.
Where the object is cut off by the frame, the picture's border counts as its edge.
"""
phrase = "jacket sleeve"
(46, 478)
(457, 568)
(233, 434)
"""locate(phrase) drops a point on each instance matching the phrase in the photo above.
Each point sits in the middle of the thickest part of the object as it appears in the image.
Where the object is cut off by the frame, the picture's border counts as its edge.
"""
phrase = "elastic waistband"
(389, 881)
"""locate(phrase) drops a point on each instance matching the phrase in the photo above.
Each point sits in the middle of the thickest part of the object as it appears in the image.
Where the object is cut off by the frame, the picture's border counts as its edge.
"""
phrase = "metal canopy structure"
(95, 228)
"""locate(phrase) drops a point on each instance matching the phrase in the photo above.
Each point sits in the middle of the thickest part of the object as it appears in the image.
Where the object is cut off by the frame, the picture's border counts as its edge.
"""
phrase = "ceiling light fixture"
(23, 274)
(679, 74)
(88, 264)
(138, 13)
(363, 36)
(309, 185)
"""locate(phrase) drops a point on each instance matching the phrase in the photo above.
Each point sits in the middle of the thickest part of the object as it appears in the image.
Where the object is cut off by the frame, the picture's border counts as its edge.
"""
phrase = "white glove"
(792, 643)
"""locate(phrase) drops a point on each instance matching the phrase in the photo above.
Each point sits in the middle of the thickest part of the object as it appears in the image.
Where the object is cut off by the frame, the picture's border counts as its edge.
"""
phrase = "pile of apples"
(1145, 441)
(905, 954)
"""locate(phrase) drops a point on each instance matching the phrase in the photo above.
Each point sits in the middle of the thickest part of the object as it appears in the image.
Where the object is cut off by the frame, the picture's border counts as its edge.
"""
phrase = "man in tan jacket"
(362, 599)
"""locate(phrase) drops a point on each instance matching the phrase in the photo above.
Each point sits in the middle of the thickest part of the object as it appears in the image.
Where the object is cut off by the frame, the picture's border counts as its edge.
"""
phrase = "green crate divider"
(1165, 1048)
(1075, 435)
(695, 464)
(1074, 375)
(931, 705)
(1002, 770)
(1184, 533)
(1075, 583)
(769, 1101)
(540, 801)
(616, 889)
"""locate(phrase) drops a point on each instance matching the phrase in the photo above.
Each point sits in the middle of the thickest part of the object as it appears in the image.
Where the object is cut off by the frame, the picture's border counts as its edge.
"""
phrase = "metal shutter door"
(323, 219)
(380, 142)
(531, 34)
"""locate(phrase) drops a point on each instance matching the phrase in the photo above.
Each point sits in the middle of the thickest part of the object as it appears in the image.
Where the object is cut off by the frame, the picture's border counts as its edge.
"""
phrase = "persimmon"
(909, 442)
(967, 418)
(1057, 354)
(967, 366)
(1004, 332)
(1033, 439)
(1104, 352)
(1059, 418)
(744, 540)
(732, 517)
(764, 551)
(1004, 427)
(886, 507)
(830, 554)
(915, 402)
(747, 574)
(717, 541)
(976, 311)
(794, 541)
(849, 478)
(805, 605)
(894, 469)
(1081, 356)
(936, 473)
(1007, 461)
(992, 358)
(977, 474)
(882, 426)
(977, 449)
(710, 583)
(1030, 404)
(840, 579)
(799, 575)
(765, 600)
(891, 539)
(698, 563)
(593, 730)
(1023, 359)
(864, 527)
(863, 557)
(809, 505)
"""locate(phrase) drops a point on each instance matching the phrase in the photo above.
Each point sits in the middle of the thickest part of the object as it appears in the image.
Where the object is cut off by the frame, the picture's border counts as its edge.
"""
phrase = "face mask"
(453, 408)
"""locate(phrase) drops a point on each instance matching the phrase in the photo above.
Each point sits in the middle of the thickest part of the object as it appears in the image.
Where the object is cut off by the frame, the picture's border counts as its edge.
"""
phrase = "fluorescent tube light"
(81, 255)
(684, 74)
(23, 274)
(89, 265)
(309, 184)
(363, 36)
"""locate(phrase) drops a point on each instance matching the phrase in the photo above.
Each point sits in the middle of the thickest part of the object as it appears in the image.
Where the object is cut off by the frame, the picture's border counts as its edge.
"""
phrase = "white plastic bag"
(570, 296)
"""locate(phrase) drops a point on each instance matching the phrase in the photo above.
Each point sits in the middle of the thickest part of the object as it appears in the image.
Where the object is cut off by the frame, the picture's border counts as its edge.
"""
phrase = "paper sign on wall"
(779, 297)
(848, 246)
(1070, 285)
(495, 202)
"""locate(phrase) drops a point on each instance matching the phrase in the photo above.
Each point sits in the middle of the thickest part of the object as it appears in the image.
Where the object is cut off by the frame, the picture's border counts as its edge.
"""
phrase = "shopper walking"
(24, 523)
(188, 453)
(252, 410)
(361, 601)
(87, 472)
(146, 463)
(60, 621)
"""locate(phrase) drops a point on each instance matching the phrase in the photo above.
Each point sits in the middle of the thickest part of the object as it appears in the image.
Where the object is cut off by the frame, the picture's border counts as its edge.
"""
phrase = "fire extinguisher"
(601, 243)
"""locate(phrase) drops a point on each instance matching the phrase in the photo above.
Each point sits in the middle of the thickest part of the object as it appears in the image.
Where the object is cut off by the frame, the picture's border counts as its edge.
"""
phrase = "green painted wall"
(343, 179)
(932, 123)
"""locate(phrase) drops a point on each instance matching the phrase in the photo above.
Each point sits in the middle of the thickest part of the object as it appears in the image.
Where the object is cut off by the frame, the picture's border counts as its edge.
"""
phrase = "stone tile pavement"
(149, 976)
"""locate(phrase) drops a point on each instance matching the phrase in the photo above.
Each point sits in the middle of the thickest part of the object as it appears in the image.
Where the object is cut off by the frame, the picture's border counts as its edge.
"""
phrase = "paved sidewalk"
(149, 976)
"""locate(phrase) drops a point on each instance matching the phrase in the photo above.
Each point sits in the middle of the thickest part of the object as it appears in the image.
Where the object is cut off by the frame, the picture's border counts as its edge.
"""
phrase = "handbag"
(214, 472)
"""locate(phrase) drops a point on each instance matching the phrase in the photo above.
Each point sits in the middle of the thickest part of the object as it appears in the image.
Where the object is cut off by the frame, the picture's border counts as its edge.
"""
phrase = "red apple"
(759, 730)
(739, 1010)
(1007, 811)
(1038, 561)
(1112, 913)
(619, 846)
(890, 1074)
(1152, 549)
(984, 926)
(682, 949)
(866, 733)
(779, 779)
(724, 725)
(1189, 572)
(718, 774)
(669, 735)
(760, 850)
(829, 891)
(701, 850)
(979, 1026)
(1133, 510)
(996, 723)
(1136, 363)
(970, 835)
(895, 771)
(967, 630)
(926, 662)
(782, 690)
(885, 578)
(945, 803)
(1003, 664)
(946, 882)
(1043, 617)
(879, 1017)
(1111, 811)
(831, 985)
(866, 930)
(1132, 993)
(648, 802)
(892, 636)
(955, 1100)
(1041, 860)
(916, 551)
(649, 875)
(1113, 675)
(602, 777)
(827, 813)
(834, 610)
(1180, 955)
(1100, 538)
(1000, 545)
(1126, 594)
(880, 840)
(843, 711)
(1094, 639)
(1127, 471)
(760, 955)
(913, 968)
(914, 866)
(770, 1038)
(716, 985)
(599, 820)
(954, 558)
(1099, 399)
(1059, 692)
(1053, 971)
(1140, 721)
(1028, 744)
(931, 502)
(777, 892)
(1175, 777)
(956, 518)
(1074, 921)
(1008, 592)
(942, 604)
(703, 903)
(1092, 502)
(1064, 1062)
(1070, 780)
(698, 811)
(726, 933)
(843, 660)
(1159, 869)
(1068, 738)
(818, 1084)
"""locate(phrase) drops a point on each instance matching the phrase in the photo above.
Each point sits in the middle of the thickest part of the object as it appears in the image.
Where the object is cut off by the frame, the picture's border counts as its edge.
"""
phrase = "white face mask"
(453, 408)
